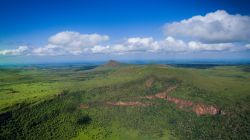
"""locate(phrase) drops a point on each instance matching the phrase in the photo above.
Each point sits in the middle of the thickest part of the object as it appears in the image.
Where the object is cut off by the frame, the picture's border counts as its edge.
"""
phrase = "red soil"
(165, 93)
(186, 105)
(181, 102)
(198, 108)
(120, 103)
(84, 106)
(201, 109)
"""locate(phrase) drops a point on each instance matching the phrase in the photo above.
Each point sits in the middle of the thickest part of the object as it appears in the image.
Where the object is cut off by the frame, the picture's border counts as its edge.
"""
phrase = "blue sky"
(125, 29)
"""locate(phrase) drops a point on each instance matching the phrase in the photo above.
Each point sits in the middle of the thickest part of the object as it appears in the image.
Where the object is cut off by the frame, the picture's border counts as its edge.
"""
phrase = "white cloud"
(20, 50)
(192, 45)
(75, 39)
(148, 44)
(136, 44)
(216, 27)
(49, 49)
(100, 49)
(70, 43)
(247, 46)
(140, 41)
(171, 44)
(216, 31)
(131, 45)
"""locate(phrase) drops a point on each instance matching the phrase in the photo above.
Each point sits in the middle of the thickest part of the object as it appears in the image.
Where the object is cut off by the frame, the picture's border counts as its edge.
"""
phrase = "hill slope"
(129, 102)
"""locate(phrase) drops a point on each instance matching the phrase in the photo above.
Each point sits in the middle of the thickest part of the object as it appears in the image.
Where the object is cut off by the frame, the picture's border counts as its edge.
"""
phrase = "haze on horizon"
(77, 31)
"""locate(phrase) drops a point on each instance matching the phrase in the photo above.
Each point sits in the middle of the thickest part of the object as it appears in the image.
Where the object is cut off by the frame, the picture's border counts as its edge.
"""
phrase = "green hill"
(112, 63)
(125, 102)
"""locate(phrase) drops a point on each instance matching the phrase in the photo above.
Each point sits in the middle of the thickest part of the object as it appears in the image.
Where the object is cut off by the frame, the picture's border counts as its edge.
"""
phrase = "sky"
(47, 31)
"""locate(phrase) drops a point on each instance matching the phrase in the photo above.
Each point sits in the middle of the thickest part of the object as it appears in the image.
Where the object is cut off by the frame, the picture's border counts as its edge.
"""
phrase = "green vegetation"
(72, 102)
(53, 119)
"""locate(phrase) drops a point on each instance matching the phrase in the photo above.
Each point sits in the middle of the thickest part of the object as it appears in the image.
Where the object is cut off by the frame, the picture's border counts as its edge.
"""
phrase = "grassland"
(72, 102)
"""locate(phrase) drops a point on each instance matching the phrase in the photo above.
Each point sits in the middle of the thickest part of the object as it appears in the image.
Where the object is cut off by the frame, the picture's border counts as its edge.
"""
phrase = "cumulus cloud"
(209, 47)
(100, 49)
(70, 43)
(215, 31)
(215, 27)
(75, 39)
(131, 45)
(18, 51)
(247, 46)
(49, 49)
(169, 44)
(136, 44)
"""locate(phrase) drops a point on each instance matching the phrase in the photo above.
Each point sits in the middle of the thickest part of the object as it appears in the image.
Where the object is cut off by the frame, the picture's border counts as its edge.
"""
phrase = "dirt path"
(165, 94)
(83, 106)
(136, 103)
(198, 108)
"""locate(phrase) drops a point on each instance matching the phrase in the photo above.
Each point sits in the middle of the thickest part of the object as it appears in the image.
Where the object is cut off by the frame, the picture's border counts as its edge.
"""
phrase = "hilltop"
(112, 63)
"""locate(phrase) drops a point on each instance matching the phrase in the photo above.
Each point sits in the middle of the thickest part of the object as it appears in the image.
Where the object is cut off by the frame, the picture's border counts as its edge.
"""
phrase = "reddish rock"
(184, 103)
(201, 109)
(164, 94)
(161, 95)
(84, 106)
(120, 103)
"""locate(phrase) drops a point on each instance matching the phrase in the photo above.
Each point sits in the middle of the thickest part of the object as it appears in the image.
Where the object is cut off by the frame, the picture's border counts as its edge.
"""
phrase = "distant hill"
(112, 63)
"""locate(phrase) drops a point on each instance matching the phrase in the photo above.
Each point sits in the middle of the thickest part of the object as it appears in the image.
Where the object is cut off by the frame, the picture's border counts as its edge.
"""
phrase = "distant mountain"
(112, 63)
